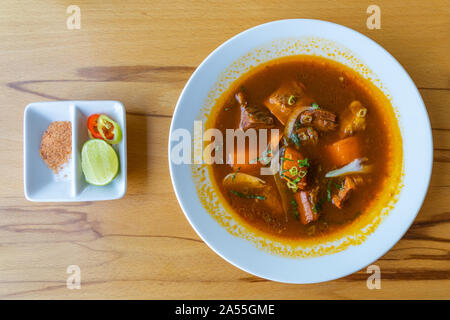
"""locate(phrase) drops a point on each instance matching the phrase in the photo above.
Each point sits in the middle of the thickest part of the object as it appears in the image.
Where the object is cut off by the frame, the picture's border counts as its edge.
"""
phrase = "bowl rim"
(382, 247)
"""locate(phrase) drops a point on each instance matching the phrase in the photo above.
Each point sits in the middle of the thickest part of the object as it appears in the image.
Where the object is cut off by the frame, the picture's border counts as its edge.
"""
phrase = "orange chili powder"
(56, 144)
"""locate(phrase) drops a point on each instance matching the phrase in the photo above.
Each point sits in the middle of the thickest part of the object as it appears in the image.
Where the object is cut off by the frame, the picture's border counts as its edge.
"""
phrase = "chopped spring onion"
(306, 119)
(315, 106)
(302, 173)
(291, 185)
(290, 123)
(291, 100)
(361, 113)
(312, 133)
(303, 136)
(293, 171)
(303, 163)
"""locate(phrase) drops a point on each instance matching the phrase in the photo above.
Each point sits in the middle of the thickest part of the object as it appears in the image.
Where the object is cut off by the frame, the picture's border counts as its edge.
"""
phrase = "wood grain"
(142, 53)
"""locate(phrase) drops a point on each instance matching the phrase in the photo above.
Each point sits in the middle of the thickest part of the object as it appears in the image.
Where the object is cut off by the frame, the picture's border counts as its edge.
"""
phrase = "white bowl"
(277, 39)
(40, 183)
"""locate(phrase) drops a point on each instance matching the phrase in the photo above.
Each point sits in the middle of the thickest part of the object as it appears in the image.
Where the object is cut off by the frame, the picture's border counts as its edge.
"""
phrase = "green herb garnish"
(319, 204)
(315, 106)
(295, 211)
(303, 163)
(234, 174)
(329, 191)
(248, 196)
(241, 195)
(252, 196)
(266, 155)
(295, 139)
(264, 159)
(294, 203)
(338, 186)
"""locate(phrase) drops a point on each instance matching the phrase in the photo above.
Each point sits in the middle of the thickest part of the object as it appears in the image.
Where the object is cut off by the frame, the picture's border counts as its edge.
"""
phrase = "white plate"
(40, 183)
(198, 96)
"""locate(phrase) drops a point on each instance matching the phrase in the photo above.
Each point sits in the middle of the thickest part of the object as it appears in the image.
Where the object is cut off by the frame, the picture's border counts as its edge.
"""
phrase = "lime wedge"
(99, 162)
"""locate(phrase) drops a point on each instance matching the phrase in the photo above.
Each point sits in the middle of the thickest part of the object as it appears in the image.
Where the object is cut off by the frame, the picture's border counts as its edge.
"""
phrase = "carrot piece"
(344, 151)
(305, 208)
(291, 159)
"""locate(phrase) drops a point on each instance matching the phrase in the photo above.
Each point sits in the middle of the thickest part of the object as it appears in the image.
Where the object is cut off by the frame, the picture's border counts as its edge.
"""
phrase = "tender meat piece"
(319, 119)
(307, 135)
(253, 116)
(307, 205)
(288, 96)
(353, 119)
(350, 184)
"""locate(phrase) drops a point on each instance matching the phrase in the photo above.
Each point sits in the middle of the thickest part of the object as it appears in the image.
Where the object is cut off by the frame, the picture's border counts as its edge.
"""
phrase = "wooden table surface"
(142, 53)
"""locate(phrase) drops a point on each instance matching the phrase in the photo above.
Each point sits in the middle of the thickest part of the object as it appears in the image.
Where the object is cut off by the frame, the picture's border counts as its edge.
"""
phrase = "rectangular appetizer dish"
(66, 158)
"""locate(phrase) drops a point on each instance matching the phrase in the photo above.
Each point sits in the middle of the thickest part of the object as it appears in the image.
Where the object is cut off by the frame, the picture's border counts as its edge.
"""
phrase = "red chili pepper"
(109, 129)
(92, 124)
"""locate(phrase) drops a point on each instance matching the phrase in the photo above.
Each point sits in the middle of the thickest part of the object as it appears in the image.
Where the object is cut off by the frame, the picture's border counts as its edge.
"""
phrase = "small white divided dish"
(40, 182)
